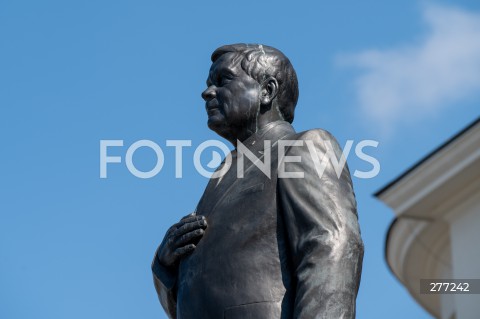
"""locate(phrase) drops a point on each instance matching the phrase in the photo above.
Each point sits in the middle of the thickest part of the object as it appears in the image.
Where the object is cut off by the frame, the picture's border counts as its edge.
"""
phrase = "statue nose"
(209, 93)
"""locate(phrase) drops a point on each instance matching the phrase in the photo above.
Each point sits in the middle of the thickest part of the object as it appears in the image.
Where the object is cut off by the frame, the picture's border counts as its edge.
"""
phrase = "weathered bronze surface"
(263, 246)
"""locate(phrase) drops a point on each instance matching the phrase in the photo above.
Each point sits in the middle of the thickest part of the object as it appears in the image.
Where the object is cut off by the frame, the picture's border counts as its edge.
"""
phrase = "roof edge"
(427, 157)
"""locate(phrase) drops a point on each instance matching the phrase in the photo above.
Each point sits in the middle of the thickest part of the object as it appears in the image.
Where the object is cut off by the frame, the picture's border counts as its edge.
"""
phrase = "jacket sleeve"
(320, 217)
(165, 283)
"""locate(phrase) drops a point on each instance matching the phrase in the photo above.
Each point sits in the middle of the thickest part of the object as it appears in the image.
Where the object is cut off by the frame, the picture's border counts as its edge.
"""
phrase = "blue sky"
(404, 73)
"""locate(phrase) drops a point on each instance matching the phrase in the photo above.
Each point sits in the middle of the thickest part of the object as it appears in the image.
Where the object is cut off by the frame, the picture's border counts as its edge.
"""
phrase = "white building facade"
(436, 231)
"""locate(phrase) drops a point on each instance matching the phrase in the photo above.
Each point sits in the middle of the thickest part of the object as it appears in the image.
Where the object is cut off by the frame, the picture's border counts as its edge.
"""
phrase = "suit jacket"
(274, 247)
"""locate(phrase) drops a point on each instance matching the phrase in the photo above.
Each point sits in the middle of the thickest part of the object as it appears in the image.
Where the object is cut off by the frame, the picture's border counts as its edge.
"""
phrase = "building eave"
(384, 189)
(424, 199)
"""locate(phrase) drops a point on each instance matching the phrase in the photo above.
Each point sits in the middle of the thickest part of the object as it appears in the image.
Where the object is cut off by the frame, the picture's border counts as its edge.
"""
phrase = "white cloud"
(415, 81)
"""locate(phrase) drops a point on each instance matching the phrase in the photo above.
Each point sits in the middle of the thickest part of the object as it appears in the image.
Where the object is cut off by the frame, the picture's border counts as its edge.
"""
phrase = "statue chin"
(218, 126)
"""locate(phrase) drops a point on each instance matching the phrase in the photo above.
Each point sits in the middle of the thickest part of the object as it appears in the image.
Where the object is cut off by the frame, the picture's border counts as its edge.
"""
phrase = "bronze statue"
(286, 245)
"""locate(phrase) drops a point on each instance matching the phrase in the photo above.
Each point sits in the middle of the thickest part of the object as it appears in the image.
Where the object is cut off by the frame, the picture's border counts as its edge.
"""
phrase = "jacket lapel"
(218, 188)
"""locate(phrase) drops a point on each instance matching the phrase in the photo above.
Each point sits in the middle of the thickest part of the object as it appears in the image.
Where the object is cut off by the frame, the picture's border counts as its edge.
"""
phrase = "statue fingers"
(180, 252)
(190, 226)
(188, 219)
(193, 236)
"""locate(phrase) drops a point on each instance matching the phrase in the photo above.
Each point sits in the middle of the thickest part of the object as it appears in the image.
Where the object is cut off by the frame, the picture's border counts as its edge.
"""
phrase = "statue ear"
(269, 90)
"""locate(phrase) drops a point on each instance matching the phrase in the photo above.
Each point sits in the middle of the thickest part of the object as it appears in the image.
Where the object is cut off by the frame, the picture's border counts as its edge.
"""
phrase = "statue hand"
(181, 239)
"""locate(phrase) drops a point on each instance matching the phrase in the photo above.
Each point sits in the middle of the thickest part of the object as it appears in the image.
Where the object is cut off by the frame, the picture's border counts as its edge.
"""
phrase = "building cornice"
(425, 200)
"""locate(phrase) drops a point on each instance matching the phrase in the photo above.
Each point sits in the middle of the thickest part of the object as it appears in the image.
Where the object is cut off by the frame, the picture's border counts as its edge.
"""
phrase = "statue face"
(232, 98)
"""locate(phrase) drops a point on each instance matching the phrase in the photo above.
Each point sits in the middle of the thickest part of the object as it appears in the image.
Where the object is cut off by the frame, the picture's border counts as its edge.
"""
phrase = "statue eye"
(224, 79)
(219, 81)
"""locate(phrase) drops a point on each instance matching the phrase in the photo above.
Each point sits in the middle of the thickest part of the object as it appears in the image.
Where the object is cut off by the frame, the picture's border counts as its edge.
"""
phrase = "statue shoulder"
(316, 135)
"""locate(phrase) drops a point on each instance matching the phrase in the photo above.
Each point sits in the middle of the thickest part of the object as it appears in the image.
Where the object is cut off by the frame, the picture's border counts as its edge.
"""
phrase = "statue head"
(249, 85)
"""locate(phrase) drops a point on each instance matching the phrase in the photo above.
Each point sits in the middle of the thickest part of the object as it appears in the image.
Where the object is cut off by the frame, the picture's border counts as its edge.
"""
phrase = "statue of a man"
(277, 235)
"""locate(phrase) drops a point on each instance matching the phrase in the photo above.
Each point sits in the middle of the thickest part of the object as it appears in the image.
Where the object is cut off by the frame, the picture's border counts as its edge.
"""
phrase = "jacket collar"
(272, 132)
(218, 188)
